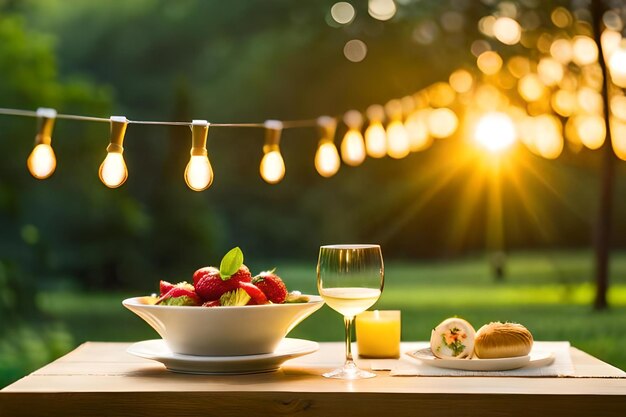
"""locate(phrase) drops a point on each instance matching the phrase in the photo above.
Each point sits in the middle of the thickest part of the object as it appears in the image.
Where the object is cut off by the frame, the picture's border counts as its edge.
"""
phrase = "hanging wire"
(29, 113)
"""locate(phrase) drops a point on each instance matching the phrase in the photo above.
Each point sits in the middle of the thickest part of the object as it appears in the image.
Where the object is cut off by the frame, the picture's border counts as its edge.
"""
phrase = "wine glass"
(350, 279)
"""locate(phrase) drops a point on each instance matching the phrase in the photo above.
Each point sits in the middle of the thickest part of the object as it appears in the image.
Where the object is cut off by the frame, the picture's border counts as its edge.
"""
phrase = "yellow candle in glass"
(378, 334)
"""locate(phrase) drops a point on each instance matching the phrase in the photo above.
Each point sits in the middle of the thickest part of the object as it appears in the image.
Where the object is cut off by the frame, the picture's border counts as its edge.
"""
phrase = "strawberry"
(214, 303)
(242, 275)
(256, 295)
(207, 270)
(164, 287)
(211, 285)
(272, 286)
(180, 296)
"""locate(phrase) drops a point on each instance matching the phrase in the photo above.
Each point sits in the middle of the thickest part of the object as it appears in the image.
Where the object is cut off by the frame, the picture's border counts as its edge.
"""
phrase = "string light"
(416, 126)
(327, 160)
(272, 165)
(375, 135)
(199, 173)
(352, 145)
(442, 123)
(113, 172)
(398, 145)
(413, 122)
(41, 161)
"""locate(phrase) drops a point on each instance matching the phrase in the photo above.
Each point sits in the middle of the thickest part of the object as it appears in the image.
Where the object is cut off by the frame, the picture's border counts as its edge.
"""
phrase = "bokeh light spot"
(489, 62)
(507, 30)
(355, 50)
(461, 81)
(530, 87)
(381, 9)
(342, 12)
(561, 17)
(561, 50)
(585, 50)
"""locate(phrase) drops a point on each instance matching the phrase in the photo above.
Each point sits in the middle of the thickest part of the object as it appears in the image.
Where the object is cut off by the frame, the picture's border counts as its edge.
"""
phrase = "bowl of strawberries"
(226, 311)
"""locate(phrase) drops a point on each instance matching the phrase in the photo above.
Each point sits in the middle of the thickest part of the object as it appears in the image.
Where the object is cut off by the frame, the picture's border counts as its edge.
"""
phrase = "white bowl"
(223, 331)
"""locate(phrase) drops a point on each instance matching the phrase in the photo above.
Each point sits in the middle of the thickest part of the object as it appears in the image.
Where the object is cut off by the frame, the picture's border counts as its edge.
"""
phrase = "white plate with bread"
(454, 344)
(475, 364)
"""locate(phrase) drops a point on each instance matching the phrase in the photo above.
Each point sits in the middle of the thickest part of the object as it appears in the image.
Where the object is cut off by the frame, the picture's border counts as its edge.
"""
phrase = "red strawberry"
(272, 286)
(214, 303)
(256, 295)
(211, 286)
(180, 296)
(207, 270)
(242, 275)
(164, 287)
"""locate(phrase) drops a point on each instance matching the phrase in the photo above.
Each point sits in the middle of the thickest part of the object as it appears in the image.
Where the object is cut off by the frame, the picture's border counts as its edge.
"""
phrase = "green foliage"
(255, 60)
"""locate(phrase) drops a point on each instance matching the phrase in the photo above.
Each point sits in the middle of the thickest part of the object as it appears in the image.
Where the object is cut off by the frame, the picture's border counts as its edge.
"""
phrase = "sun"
(495, 131)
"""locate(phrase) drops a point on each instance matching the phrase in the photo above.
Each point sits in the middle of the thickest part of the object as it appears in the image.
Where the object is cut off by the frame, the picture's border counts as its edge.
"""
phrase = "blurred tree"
(255, 60)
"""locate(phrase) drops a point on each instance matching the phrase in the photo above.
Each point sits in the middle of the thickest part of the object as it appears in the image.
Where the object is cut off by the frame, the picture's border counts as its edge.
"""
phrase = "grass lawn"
(548, 292)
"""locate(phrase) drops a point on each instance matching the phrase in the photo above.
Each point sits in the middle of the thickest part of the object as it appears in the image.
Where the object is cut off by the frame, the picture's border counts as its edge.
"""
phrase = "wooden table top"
(102, 379)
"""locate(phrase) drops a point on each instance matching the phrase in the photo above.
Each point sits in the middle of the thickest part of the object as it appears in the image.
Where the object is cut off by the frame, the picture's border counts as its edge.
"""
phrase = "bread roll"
(453, 338)
(502, 340)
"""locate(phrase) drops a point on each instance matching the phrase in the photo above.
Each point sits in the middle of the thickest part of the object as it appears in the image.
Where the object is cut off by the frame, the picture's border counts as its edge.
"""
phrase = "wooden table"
(101, 379)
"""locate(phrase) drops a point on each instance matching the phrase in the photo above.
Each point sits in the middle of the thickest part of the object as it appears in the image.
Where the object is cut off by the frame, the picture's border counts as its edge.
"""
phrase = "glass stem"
(348, 324)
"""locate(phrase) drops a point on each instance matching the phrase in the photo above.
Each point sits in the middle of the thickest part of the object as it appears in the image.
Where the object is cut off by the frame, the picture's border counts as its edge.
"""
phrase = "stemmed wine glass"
(350, 279)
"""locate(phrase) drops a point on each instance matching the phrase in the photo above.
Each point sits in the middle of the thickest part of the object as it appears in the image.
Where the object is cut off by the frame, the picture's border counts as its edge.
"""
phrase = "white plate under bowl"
(500, 364)
(222, 365)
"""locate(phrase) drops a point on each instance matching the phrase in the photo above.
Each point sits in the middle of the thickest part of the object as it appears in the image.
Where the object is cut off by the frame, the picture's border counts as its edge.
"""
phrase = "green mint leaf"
(231, 263)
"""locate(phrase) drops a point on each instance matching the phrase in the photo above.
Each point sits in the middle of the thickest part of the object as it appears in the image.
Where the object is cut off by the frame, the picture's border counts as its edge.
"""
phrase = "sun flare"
(495, 132)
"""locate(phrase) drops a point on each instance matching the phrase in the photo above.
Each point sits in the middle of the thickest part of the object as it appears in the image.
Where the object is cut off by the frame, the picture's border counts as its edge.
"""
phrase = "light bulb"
(42, 162)
(376, 140)
(272, 167)
(113, 172)
(442, 122)
(327, 159)
(353, 148)
(416, 126)
(199, 174)
(398, 145)
(352, 145)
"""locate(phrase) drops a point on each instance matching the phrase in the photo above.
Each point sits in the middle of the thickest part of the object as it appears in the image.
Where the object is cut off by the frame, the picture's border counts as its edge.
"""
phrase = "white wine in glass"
(350, 279)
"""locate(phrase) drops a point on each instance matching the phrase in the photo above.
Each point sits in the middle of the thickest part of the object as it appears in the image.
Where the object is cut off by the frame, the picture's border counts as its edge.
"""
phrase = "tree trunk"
(602, 235)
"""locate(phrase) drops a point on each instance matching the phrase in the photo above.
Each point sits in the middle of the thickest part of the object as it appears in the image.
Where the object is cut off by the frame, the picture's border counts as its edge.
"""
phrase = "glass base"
(349, 371)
